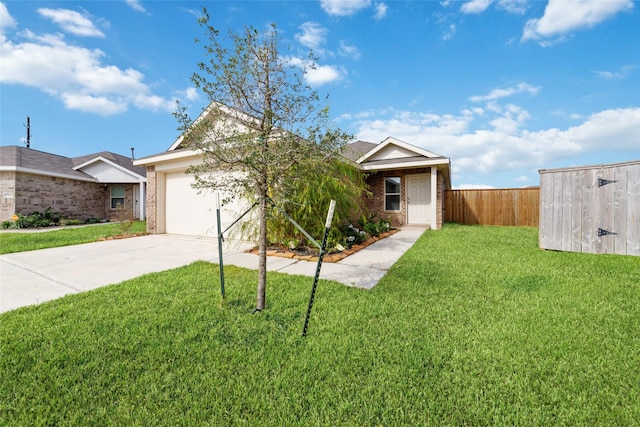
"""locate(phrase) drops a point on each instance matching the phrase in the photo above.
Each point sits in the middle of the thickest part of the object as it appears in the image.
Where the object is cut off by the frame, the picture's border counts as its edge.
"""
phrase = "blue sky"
(502, 87)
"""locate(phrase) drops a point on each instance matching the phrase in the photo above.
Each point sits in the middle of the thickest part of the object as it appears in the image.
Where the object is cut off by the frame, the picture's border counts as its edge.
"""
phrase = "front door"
(418, 199)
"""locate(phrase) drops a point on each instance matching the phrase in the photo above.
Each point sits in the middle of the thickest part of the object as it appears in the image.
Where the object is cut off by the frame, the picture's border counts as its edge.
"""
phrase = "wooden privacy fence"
(510, 206)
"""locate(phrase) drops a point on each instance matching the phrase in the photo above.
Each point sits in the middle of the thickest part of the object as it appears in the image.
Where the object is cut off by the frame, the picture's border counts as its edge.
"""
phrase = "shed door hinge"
(603, 232)
(602, 182)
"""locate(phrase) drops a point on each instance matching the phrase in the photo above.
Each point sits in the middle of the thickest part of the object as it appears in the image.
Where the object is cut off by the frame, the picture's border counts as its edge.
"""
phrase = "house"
(407, 182)
(83, 187)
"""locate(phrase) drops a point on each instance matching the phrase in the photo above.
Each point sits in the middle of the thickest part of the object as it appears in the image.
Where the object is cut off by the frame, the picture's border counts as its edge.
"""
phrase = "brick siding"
(375, 203)
(151, 201)
(75, 199)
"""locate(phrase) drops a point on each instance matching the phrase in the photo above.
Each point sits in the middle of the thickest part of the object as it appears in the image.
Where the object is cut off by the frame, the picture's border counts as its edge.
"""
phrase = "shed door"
(192, 213)
(418, 199)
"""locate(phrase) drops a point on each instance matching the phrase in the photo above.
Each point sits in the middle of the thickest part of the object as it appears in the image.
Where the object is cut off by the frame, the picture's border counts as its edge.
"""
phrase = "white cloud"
(450, 32)
(349, 51)
(499, 142)
(344, 7)
(323, 74)
(72, 22)
(313, 35)
(511, 120)
(93, 104)
(564, 16)
(317, 75)
(479, 6)
(6, 20)
(514, 6)
(622, 72)
(381, 11)
(190, 94)
(76, 75)
(502, 93)
(475, 6)
(135, 5)
(616, 129)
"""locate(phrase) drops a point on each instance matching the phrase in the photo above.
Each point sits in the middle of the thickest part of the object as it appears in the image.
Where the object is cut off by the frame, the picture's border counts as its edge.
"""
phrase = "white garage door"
(192, 213)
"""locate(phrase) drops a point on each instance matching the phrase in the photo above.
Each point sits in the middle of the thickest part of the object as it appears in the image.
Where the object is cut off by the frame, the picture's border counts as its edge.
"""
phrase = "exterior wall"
(375, 203)
(152, 199)
(75, 199)
(8, 194)
(440, 200)
(112, 214)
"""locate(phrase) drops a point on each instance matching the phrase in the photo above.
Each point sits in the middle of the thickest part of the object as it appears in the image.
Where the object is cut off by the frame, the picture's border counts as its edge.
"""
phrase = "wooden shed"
(592, 209)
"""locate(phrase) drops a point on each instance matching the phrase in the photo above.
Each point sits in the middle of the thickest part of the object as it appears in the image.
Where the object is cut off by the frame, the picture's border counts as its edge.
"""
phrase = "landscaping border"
(330, 257)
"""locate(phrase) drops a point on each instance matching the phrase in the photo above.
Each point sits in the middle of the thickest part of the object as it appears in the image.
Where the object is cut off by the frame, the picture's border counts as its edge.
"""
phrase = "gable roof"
(114, 159)
(405, 151)
(394, 154)
(22, 159)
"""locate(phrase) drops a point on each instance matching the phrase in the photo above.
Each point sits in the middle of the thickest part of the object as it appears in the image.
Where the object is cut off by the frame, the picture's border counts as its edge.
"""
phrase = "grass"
(28, 241)
(473, 326)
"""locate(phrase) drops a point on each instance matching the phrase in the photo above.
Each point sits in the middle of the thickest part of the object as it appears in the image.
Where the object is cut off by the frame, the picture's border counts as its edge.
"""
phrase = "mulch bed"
(311, 254)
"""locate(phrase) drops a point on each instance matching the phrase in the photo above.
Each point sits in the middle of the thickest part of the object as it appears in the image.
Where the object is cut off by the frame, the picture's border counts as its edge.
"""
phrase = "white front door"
(418, 199)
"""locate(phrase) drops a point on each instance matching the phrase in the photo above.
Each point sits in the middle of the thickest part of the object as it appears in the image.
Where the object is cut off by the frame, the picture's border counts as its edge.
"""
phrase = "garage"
(193, 212)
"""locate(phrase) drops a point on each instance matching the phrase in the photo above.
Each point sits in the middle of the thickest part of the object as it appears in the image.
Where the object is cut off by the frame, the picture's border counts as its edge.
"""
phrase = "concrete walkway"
(33, 277)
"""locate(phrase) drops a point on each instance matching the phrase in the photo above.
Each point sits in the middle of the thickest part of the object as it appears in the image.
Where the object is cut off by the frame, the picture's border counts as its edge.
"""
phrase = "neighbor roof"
(357, 149)
(33, 161)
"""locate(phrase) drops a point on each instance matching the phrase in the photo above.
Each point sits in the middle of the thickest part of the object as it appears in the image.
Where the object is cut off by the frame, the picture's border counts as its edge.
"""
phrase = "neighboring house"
(407, 183)
(81, 187)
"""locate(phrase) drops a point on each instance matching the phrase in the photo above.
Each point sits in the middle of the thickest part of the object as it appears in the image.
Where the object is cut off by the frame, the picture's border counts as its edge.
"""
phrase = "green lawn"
(28, 241)
(473, 326)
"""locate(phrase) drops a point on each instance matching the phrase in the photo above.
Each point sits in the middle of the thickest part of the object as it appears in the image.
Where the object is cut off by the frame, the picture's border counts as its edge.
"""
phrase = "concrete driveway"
(33, 277)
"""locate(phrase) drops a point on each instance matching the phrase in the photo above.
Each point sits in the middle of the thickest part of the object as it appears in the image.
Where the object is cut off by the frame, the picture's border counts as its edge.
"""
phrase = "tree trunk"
(262, 253)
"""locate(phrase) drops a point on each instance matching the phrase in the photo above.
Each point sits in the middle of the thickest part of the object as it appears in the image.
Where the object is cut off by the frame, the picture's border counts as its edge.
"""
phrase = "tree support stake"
(327, 227)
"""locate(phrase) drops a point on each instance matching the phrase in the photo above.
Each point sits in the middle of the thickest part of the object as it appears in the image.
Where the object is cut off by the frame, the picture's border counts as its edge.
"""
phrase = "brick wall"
(440, 200)
(112, 214)
(151, 201)
(375, 203)
(75, 199)
(8, 195)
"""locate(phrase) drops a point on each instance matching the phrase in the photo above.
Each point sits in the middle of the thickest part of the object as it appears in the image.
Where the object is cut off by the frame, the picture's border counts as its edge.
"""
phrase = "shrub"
(47, 218)
(38, 219)
(124, 216)
(306, 201)
(9, 224)
(374, 226)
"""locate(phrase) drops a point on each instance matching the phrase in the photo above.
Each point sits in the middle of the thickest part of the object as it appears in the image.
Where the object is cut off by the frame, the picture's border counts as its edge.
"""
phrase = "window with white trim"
(392, 194)
(117, 196)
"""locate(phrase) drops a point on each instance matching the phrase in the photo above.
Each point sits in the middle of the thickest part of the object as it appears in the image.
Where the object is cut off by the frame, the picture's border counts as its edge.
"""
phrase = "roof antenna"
(132, 157)
(28, 126)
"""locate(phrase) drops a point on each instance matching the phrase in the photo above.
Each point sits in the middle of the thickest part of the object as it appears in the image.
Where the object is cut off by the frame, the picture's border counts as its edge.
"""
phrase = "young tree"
(264, 126)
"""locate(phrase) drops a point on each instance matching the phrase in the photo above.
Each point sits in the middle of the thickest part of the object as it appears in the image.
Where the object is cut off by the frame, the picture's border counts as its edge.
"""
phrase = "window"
(392, 194)
(117, 196)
